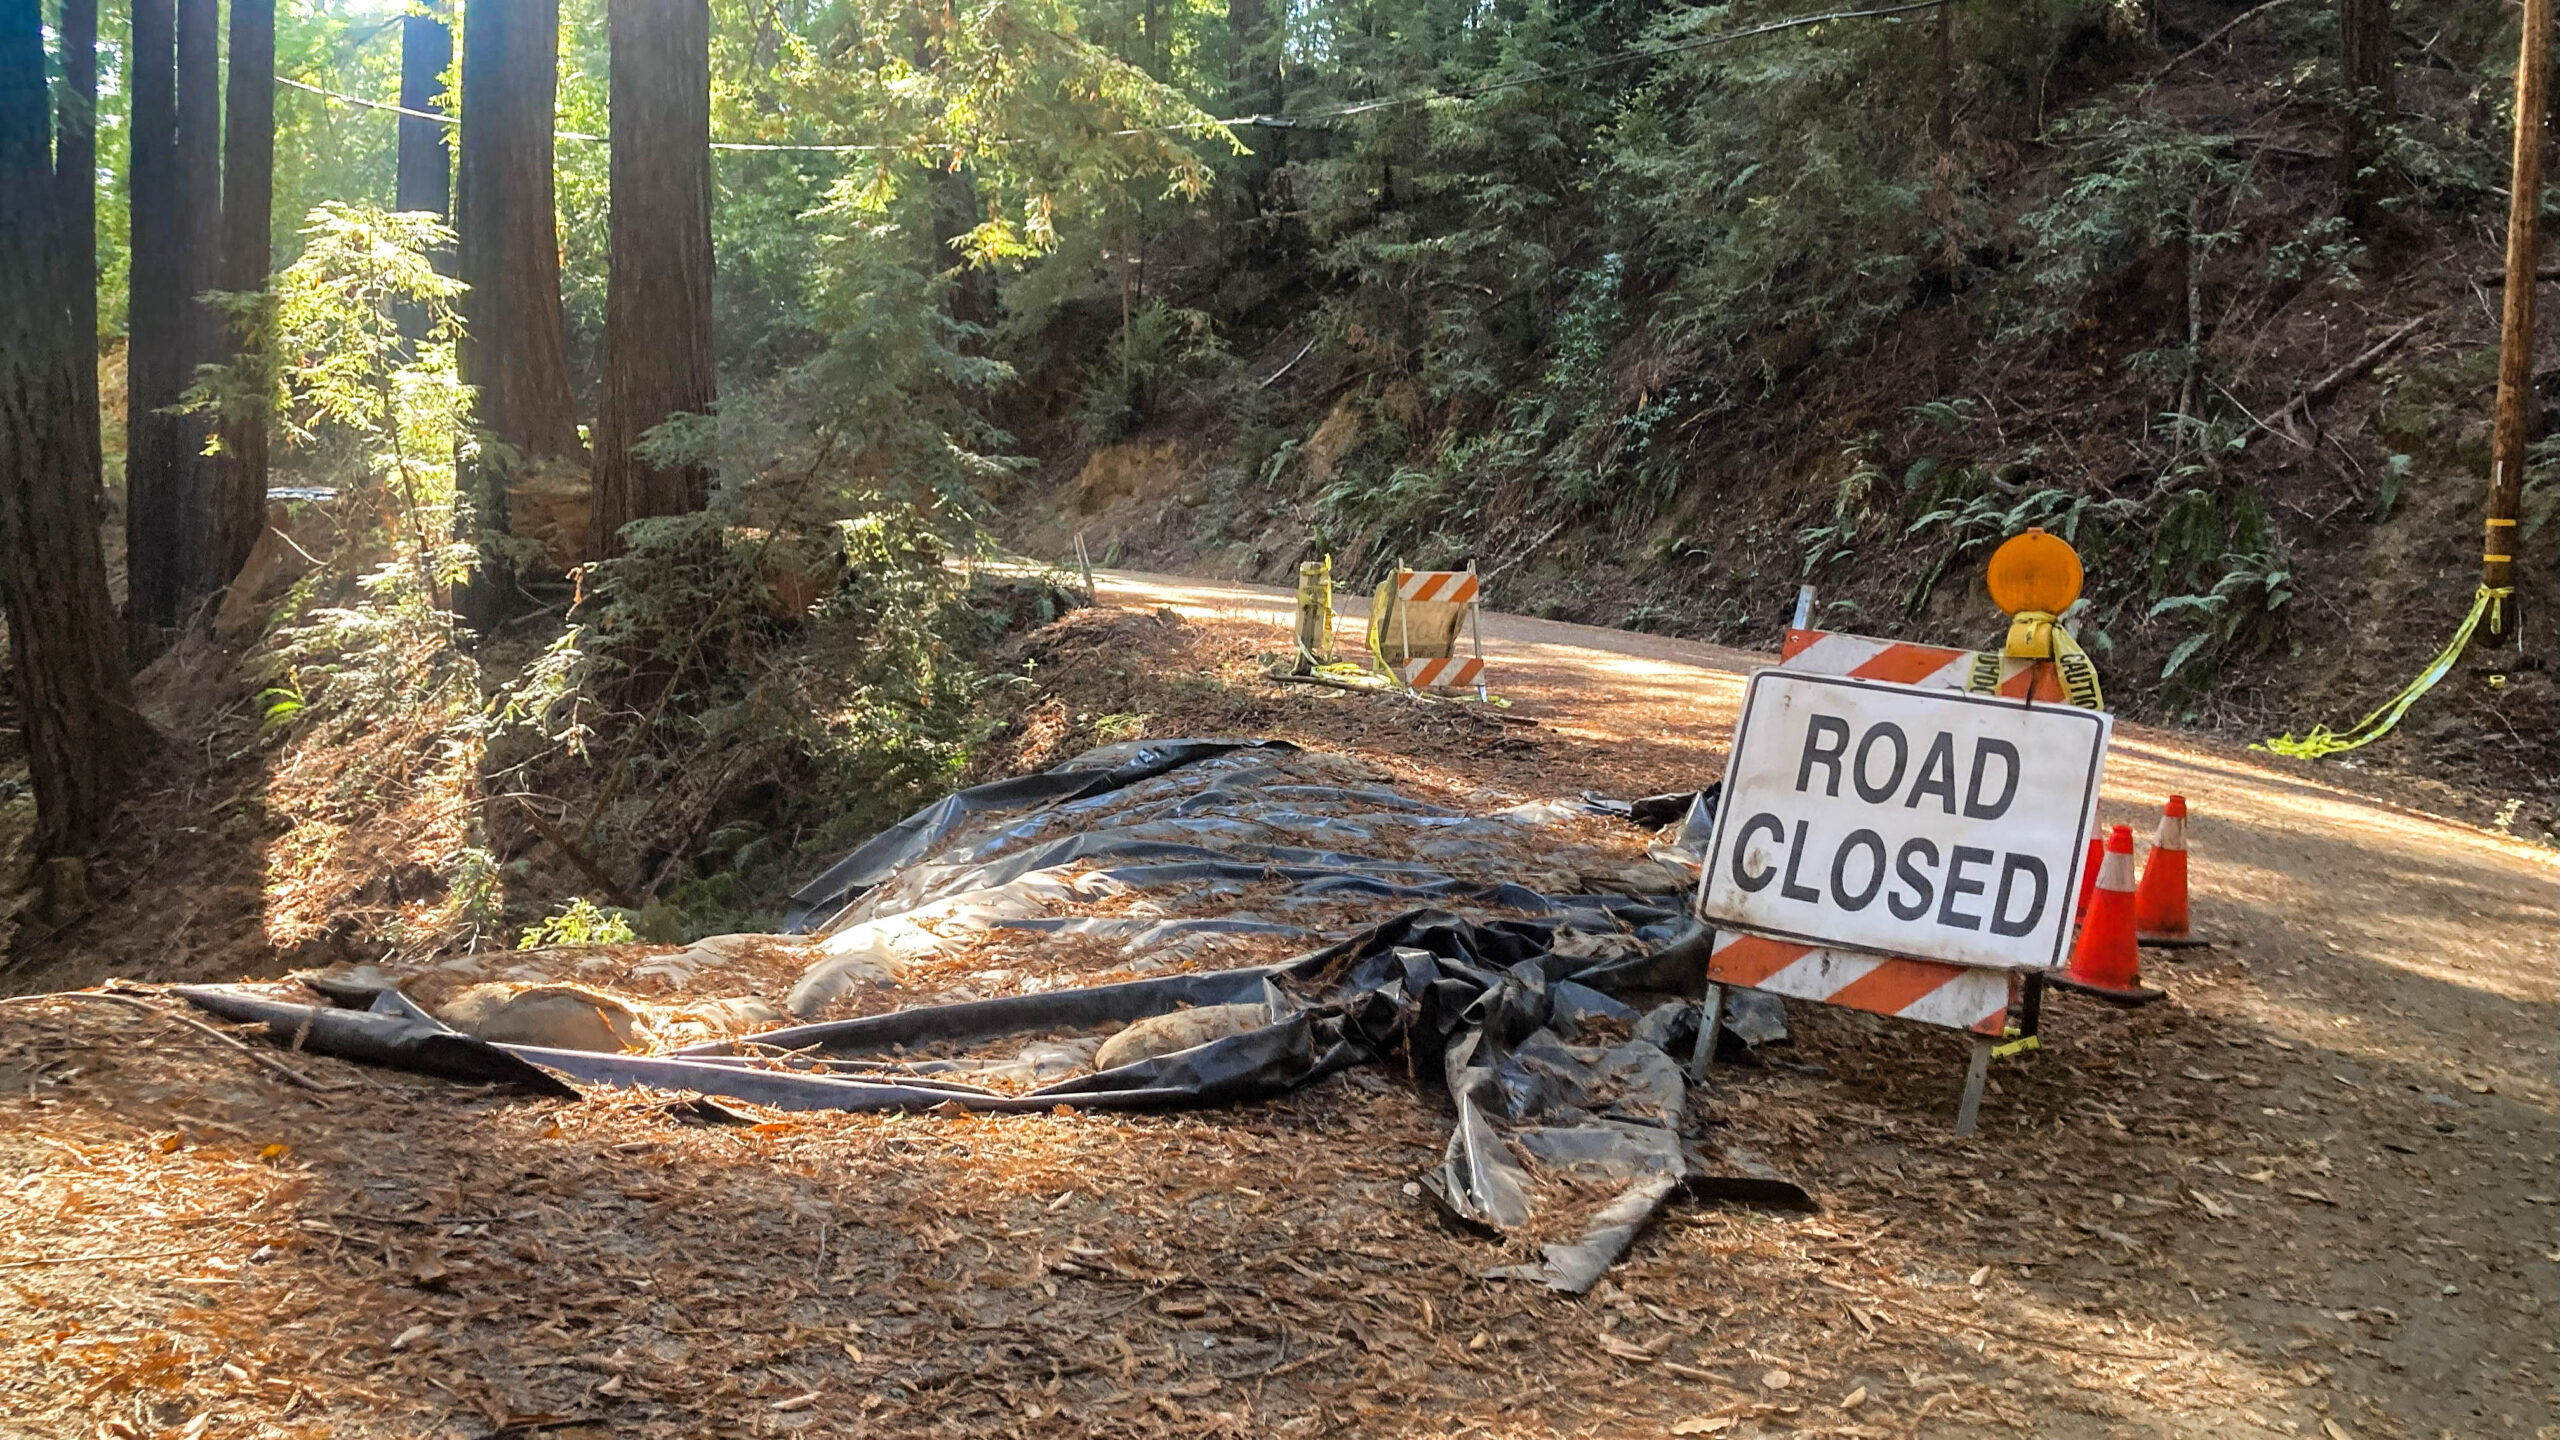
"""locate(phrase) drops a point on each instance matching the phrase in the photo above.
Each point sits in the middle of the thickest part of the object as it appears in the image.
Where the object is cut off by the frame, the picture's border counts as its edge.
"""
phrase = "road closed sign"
(1926, 823)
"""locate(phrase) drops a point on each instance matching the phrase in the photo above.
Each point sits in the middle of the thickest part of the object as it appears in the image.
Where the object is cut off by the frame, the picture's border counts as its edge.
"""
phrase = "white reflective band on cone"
(2117, 873)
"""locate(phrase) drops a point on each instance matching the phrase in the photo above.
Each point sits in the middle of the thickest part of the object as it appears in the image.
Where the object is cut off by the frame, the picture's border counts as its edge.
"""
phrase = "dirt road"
(2326, 1169)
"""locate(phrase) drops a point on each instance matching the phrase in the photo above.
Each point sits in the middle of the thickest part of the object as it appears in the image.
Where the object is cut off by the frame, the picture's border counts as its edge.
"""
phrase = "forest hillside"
(1654, 342)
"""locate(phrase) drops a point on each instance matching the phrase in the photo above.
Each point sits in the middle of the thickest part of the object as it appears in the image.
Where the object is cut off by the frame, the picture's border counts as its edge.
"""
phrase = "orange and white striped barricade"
(1414, 629)
(1981, 958)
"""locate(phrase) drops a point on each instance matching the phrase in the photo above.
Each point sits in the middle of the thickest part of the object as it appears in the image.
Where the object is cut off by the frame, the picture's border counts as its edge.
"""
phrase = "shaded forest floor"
(2309, 1195)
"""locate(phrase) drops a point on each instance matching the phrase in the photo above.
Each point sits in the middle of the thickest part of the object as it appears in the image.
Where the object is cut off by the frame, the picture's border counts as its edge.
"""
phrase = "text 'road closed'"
(1923, 823)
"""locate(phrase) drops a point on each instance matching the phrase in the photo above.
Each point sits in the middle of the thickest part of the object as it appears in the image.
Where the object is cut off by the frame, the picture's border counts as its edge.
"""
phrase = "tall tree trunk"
(425, 178)
(156, 362)
(2371, 95)
(1253, 74)
(74, 696)
(955, 214)
(515, 338)
(657, 325)
(1254, 87)
(206, 333)
(75, 174)
(239, 509)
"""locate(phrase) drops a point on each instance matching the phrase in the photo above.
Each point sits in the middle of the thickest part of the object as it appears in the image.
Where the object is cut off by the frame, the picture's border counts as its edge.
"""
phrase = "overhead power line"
(1299, 121)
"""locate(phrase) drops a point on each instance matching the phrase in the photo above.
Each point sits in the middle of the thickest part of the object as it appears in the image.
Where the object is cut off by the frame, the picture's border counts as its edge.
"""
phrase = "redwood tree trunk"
(2371, 95)
(248, 216)
(425, 178)
(205, 333)
(74, 696)
(657, 328)
(75, 172)
(1255, 86)
(515, 338)
(155, 346)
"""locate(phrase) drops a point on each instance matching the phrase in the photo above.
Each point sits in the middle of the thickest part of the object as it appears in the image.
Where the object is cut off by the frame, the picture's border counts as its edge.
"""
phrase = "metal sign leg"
(1710, 1020)
(1974, 1075)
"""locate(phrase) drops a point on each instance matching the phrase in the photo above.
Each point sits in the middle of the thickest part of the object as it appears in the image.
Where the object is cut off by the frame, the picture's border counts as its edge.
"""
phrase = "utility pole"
(2515, 350)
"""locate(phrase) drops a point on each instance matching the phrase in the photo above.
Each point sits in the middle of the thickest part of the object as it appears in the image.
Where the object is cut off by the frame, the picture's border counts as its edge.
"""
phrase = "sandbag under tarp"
(390, 1032)
(1096, 772)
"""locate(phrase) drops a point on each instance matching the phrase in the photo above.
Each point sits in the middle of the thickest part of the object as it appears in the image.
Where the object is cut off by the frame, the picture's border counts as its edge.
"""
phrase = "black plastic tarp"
(391, 1032)
(1553, 1078)
(1095, 772)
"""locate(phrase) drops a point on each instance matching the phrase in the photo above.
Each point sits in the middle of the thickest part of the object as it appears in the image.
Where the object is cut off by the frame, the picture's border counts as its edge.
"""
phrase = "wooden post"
(2515, 350)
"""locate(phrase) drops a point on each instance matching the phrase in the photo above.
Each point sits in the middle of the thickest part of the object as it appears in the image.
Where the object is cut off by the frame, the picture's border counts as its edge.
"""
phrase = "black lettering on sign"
(1977, 808)
(1816, 753)
(1937, 777)
(2011, 867)
(1841, 895)
(1924, 891)
(1788, 887)
(1948, 914)
(1742, 874)
(1878, 794)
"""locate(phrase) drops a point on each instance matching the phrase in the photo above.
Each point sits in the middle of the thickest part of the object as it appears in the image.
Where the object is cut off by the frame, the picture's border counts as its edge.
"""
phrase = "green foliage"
(2137, 181)
(1162, 351)
(2240, 616)
(2539, 499)
(354, 405)
(580, 922)
(1046, 125)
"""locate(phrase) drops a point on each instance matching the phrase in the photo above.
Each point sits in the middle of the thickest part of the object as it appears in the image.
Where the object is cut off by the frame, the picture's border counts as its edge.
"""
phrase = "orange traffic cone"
(2089, 874)
(2105, 962)
(2160, 904)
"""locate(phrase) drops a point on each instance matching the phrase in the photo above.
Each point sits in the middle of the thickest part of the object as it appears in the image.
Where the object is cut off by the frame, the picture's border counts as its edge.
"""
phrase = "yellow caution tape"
(2324, 741)
(1315, 614)
(1379, 609)
(2035, 635)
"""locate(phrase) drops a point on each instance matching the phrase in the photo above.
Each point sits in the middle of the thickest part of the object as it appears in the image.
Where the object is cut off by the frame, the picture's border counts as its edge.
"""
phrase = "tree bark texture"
(207, 335)
(2513, 423)
(2370, 96)
(156, 362)
(1254, 85)
(239, 512)
(74, 695)
(514, 347)
(75, 174)
(956, 212)
(657, 328)
(425, 178)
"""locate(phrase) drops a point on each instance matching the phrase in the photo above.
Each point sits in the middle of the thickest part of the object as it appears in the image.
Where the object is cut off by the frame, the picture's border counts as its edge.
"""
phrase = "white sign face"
(1926, 823)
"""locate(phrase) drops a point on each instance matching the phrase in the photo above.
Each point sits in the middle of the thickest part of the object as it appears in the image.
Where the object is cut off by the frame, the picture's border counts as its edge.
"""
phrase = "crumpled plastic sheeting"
(1096, 772)
(1200, 822)
(1560, 1088)
(1506, 1013)
(1543, 1108)
(391, 1031)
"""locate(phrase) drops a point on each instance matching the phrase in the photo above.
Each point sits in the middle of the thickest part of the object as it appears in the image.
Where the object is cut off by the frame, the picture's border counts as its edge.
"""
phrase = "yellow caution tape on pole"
(1315, 614)
(2035, 635)
(1380, 610)
(2324, 741)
